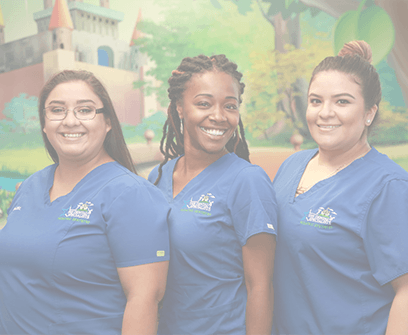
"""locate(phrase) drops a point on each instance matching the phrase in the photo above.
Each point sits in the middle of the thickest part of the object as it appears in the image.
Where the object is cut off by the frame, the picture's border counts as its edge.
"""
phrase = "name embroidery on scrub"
(321, 219)
(81, 213)
(202, 205)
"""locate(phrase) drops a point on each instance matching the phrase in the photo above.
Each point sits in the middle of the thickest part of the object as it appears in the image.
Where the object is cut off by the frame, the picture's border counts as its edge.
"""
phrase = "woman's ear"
(370, 115)
(179, 111)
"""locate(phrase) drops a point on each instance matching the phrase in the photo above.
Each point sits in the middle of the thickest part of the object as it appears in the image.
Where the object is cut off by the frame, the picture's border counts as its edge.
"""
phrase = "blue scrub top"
(340, 244)
(210, 221)
(59, 260)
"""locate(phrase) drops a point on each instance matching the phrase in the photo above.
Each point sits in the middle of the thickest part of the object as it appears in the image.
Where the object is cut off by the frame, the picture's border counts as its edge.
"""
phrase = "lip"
(216, 132)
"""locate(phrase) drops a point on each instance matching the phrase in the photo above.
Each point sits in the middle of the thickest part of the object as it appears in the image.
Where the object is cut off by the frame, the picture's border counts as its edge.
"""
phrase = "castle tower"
(1, 28)
(47, 4)
(104, 3)
(134, 49)
(61, 26)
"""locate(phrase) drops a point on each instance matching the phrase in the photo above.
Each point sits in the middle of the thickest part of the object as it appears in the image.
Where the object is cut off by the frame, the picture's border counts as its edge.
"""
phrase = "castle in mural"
(76, 35)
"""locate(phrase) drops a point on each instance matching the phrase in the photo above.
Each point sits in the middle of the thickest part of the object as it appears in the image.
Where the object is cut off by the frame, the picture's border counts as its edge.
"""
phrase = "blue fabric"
(340, 244)
(210, 220)
(59, 260)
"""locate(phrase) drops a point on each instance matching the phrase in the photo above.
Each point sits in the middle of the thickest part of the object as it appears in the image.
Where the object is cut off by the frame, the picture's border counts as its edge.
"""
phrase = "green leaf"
(288, 3)
(314, 11)
(376, 28)
(276, 6)
(345, 30)
(244, 6)
(138, 84)
(216, 4)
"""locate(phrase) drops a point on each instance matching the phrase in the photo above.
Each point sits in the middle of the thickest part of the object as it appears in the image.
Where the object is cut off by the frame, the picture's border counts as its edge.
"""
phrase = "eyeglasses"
(59, 113)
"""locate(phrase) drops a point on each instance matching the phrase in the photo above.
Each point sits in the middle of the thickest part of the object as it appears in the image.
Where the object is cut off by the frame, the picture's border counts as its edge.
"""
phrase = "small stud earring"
(368, 121)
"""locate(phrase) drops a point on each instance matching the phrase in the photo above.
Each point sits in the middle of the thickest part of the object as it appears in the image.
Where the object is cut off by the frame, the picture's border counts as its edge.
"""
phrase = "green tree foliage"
(392, 126)
(190, 28)
(21, 115)
(273, 79)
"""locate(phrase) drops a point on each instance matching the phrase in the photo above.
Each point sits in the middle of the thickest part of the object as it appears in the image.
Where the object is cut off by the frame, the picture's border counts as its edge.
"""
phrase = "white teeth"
(73, 135)
(215, 132)
(329, 127)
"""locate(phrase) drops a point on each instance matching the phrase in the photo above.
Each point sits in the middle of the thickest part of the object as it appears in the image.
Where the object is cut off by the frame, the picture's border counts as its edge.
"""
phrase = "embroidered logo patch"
(82, 211)
(160, 253)
(321, 219)
(202, 205)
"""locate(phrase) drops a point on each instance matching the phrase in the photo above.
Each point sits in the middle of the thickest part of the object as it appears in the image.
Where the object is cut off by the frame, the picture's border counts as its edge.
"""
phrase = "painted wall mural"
(133, 45)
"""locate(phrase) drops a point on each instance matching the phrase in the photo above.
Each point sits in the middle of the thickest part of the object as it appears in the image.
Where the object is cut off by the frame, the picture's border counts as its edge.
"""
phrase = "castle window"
(105, 56)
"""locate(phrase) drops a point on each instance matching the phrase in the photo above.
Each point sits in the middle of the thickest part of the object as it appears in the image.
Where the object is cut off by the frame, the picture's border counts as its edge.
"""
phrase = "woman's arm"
(144, 287)
(398, 319)
(258, 256)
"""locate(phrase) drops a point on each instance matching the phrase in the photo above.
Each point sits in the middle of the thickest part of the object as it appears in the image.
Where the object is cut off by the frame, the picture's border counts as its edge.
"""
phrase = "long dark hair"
(172, 142)
(355, 59)
(114, 143)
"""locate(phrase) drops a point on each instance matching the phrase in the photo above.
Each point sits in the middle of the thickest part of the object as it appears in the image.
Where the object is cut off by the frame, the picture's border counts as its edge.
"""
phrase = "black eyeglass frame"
(97, 111)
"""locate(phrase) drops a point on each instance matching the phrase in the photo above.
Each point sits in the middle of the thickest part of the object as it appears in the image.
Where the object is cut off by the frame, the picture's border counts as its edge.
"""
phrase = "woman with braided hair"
(341, 261)
(222, 222)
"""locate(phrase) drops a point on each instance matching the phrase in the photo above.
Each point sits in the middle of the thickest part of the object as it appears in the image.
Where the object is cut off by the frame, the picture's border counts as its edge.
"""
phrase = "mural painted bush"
(5, 200)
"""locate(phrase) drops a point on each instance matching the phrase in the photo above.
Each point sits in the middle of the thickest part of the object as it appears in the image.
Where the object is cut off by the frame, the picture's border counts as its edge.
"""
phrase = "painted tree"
(274, 80)
(358, 20)
(190, 28)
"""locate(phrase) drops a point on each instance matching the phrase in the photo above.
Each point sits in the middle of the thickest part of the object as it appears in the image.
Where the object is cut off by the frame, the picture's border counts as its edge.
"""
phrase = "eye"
(343, 102)
(203, 104)
(57, 110)
(84, 110)
(315, 101)
(231, 106)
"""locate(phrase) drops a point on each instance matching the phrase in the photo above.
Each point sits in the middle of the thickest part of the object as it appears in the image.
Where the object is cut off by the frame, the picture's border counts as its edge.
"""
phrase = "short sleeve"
(252, 204)
(137, 228)
(386, 234)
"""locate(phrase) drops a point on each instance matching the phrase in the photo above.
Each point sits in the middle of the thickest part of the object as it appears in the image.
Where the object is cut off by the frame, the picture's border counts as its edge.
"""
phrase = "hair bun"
(360, 48)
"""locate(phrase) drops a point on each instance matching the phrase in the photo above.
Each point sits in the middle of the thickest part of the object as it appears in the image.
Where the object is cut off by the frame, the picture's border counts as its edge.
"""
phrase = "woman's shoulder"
(385, 167)
(38, 179)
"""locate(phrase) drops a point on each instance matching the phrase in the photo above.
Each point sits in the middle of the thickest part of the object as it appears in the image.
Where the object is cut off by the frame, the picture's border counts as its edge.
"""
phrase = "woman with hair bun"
(223, 216)
(341, 261)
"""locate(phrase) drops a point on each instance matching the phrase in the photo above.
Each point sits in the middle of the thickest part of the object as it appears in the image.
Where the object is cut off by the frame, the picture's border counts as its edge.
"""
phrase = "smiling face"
(72, 139)
(336, 113)
(210, 112)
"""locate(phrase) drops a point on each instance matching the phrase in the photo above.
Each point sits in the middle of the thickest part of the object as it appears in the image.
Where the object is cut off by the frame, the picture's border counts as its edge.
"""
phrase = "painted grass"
(3, 222)
(402, 162)
(24, 161)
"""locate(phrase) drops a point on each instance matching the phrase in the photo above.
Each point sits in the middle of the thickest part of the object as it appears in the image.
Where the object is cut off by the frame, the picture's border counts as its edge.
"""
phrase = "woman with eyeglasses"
(85, 249)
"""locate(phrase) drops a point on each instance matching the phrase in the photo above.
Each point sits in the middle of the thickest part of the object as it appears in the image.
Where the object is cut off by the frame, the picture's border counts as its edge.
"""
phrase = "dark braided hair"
(172, 142)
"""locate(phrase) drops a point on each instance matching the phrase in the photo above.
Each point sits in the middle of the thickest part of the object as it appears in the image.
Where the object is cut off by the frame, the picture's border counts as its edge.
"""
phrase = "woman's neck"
(338, 158)
(69, 173)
